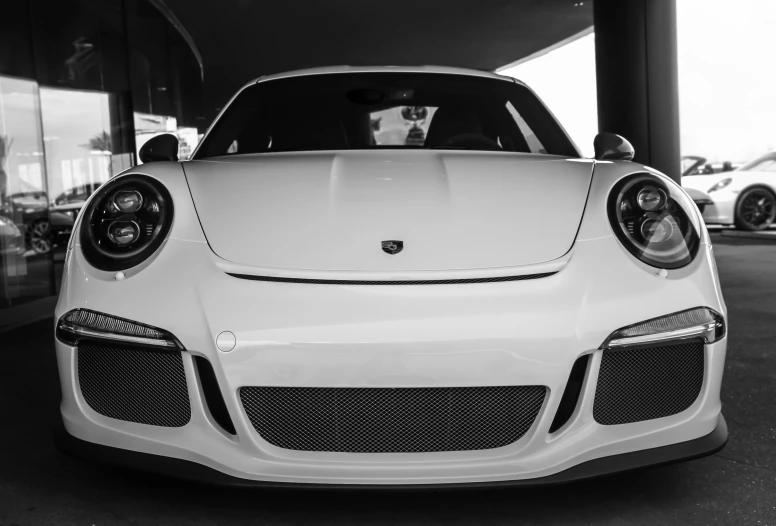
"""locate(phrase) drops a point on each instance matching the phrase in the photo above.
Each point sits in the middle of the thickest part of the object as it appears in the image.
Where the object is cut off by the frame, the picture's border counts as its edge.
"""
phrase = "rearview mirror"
(161, 148)
(612, 147)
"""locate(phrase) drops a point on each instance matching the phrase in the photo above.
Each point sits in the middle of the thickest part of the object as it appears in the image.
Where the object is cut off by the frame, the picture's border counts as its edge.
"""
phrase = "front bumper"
(721, 210)
(298, 335)
(194, 472)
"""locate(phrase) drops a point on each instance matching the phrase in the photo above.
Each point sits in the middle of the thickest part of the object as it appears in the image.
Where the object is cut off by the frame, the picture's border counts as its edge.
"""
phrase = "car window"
(349, 111)
(530, 137)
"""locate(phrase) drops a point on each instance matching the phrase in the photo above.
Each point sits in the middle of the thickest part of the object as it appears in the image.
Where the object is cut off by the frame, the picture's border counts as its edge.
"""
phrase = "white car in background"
(745, 197)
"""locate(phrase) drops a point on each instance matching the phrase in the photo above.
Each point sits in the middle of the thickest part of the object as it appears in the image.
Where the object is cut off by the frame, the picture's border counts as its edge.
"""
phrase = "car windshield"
(690, 163)
(766, 163)
(354, 111)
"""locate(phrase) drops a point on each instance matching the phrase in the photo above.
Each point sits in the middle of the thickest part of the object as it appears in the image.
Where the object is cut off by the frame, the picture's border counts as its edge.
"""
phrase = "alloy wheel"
(756, 210)
(39, 238)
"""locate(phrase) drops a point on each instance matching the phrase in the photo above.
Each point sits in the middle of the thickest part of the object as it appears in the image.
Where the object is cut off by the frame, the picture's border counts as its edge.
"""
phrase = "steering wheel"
(475, 141)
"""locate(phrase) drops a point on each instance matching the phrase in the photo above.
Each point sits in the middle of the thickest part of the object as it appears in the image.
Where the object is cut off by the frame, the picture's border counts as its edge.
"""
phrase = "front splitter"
(192, 471)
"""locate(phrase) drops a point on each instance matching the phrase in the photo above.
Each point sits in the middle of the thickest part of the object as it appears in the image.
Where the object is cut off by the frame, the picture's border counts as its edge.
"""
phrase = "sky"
(727, 80)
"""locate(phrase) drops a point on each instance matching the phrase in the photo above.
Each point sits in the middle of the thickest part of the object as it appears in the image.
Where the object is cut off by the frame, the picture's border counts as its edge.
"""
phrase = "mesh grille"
(146, 386)
(392, 420)
(648, 383)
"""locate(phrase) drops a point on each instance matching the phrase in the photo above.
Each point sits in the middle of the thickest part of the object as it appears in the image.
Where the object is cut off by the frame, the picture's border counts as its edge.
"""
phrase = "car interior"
(290, 115)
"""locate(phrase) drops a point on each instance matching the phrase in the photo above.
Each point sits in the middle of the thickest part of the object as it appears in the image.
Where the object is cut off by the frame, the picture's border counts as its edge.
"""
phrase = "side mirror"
(160, 148)
(612, 147)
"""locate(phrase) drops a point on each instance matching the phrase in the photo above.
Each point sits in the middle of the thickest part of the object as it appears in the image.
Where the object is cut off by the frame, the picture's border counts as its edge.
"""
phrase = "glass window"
(690, 164)
(81, 59)
(15, 40)
(386, 110)
(25, 267)
(530, 137)
(166, 78)
(96, 62)
(78, 143)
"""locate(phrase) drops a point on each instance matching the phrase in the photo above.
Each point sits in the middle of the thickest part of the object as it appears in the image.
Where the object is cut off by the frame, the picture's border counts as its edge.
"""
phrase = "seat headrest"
(450, 121)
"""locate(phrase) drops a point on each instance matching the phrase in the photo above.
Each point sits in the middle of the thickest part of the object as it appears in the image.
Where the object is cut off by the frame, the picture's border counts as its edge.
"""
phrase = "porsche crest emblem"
(392, 246)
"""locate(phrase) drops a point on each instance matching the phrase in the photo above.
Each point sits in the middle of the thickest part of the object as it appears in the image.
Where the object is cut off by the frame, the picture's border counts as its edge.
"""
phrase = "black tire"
(755, 209)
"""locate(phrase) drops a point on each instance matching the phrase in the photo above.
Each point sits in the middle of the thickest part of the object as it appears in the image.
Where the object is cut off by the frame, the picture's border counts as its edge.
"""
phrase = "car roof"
(447, 70)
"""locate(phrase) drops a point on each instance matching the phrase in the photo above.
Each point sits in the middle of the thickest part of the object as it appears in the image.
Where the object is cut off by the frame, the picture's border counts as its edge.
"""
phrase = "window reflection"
(78, 145)
(25, 270)
(67, 93)
(80, 157)
(402, 125)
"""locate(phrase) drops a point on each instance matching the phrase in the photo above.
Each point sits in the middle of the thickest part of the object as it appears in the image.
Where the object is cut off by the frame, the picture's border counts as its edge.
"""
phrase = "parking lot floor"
(39, 485)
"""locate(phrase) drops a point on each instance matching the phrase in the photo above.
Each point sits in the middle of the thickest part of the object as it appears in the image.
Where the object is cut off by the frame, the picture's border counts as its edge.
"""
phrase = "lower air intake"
(392, 420)
(648, 383)
(146, 386)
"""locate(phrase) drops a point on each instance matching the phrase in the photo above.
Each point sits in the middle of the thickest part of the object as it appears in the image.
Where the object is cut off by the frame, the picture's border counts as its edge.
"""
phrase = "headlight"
(656, 222)
(720, 185)
(126, 222)
(701, 322)
(81, 324)
(127, 201)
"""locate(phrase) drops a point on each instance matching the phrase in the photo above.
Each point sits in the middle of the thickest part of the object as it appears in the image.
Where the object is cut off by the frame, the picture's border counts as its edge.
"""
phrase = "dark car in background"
(65, 209)
(30, 212)
(11, 238)
(43, 225)
(76, 195)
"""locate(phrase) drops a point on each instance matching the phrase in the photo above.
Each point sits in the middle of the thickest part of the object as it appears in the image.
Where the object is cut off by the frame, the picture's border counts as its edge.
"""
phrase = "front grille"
(392, 420)
(647, 383)
(146, 386)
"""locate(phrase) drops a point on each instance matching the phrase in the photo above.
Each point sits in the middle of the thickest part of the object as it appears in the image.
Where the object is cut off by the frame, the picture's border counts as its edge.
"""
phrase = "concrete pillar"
(636, 70)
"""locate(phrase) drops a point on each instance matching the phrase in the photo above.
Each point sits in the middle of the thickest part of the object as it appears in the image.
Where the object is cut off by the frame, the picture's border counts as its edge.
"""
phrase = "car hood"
(333, 210)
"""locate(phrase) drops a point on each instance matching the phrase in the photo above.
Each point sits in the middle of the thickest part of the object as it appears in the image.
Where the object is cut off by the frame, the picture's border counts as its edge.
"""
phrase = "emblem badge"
(392, 246)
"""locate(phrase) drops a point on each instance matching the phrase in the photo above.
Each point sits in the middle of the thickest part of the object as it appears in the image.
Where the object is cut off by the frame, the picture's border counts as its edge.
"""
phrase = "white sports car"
(322, 297)
(745, 197)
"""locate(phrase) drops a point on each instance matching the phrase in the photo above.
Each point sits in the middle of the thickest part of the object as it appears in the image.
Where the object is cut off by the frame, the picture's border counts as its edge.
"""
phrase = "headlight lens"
(126, 222)
(651, 198)
(656, 222)
(127, 201)
(720, 185)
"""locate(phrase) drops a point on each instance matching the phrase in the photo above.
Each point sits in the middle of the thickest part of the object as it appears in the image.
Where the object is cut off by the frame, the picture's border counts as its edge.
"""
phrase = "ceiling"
(242, 39)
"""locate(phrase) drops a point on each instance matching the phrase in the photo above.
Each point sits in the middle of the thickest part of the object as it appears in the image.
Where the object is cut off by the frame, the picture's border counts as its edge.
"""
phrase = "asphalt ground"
(39, 485)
